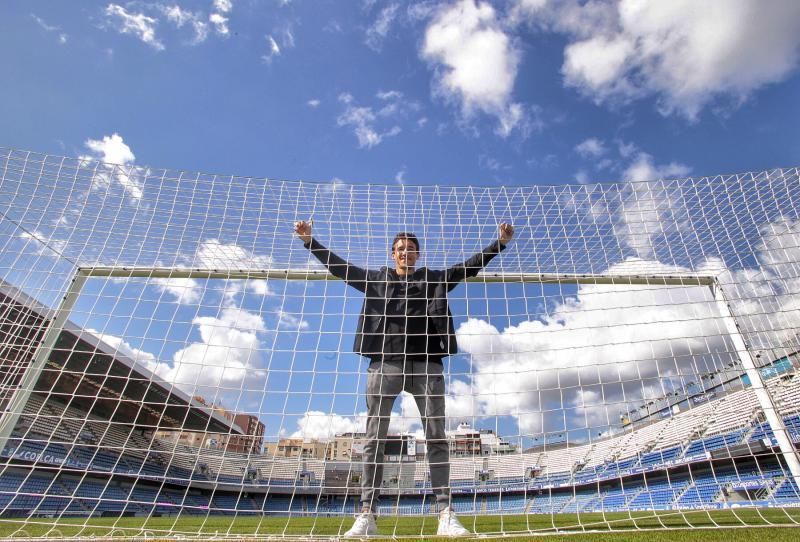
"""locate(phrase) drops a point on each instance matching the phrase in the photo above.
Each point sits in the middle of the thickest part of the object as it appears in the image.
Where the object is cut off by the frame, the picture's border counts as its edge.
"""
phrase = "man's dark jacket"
(378, 289)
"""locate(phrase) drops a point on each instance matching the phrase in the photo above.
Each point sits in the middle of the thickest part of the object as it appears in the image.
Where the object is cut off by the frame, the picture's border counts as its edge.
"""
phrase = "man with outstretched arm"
(405, 331)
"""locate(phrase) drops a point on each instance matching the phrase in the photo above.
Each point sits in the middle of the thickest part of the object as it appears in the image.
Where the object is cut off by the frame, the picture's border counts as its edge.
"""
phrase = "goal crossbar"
(312, 274)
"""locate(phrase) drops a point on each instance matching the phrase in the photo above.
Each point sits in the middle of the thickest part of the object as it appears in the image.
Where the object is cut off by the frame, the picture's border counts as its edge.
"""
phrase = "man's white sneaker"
(364, 526)
(449, 524)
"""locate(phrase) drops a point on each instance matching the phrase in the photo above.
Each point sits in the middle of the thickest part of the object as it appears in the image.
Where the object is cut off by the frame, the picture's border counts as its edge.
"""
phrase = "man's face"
(405, 254)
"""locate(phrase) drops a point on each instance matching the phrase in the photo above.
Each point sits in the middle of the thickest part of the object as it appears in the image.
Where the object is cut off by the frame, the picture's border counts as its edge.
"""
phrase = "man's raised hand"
(303, 230)
(506, 233)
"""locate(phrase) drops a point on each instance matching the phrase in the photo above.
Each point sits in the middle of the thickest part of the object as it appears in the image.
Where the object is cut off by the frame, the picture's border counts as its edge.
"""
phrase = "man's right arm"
(353, 275)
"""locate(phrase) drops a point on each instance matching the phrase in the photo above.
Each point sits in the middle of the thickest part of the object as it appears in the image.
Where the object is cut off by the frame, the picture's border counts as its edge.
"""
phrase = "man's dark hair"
(407, 236)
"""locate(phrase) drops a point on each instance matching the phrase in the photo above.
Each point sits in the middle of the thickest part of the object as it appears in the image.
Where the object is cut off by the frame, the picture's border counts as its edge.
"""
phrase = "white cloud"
(524, 9)
(62, 36)
(605, 163)
(420, 11)
(594, 338)
(259, 287)
(229, 290)
(379, 29)
(274, 49)
(591, 148)
(225, 360)
(324, 426)
(683, 52)
(593, 410)
(185, 291)
(360, 119)
(335, 185)
(333, 27)
(491, 163)
(180, 17)
(136, 24)
(117, 167)
(223, 6)
(46, 245)
(644, 210)
(364, 120)
(288, 320)
(766, 300)
(43, 24)
(143, 24)
(400, 177)
(626, 149)
(643, 169)
(213, 254)
(287, 37)
(218, 17)
(582, 177)
(389, 95)
(646, 206)
(142, 357)
(475, 62)
(277, 42)
(227, 355)
(599, 63)
(407, 420)
(220, 23)
(111, 149)
(177, 15)
(313, 103)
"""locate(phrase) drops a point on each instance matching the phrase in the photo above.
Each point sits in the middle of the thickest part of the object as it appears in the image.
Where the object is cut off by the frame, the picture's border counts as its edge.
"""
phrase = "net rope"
(172, 352)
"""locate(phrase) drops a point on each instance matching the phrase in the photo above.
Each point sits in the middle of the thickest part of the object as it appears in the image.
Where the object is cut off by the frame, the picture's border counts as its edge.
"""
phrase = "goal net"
(175, 362)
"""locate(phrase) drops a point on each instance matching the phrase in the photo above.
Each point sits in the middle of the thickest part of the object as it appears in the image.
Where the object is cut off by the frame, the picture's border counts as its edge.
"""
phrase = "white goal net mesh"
(175, 362)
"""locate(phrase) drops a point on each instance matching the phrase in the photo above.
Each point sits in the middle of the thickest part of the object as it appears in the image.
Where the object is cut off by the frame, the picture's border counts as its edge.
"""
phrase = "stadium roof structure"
(87, 372)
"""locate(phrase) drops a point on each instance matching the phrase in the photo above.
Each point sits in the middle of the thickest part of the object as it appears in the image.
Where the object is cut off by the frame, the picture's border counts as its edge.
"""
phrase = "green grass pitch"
(727, 525)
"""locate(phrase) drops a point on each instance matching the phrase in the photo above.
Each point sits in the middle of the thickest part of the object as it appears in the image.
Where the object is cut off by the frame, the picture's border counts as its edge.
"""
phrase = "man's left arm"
(475, 263)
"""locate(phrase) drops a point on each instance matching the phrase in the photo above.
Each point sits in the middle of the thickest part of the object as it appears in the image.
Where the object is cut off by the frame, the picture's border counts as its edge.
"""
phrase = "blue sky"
(225, 101)
(503, 94)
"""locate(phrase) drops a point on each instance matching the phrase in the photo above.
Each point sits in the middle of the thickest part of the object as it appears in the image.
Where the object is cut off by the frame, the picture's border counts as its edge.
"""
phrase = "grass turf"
(723, 525)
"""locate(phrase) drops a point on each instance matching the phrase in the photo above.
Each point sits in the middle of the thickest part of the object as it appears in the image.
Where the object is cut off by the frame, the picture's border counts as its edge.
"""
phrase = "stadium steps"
(75, 505)
(699, 492)
(650, 446)
(528, 505)
(772, 489)
(579, 502)
(621, 501)
(588, 456)
(753, 423)
(707, 424)
(81, 506)
(681, 493)
(695, 435)
(661, 440)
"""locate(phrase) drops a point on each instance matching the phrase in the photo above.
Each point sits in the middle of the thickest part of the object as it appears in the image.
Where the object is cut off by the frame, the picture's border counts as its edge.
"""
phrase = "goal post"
(787, 448)
(52, 329)
(16, 405)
